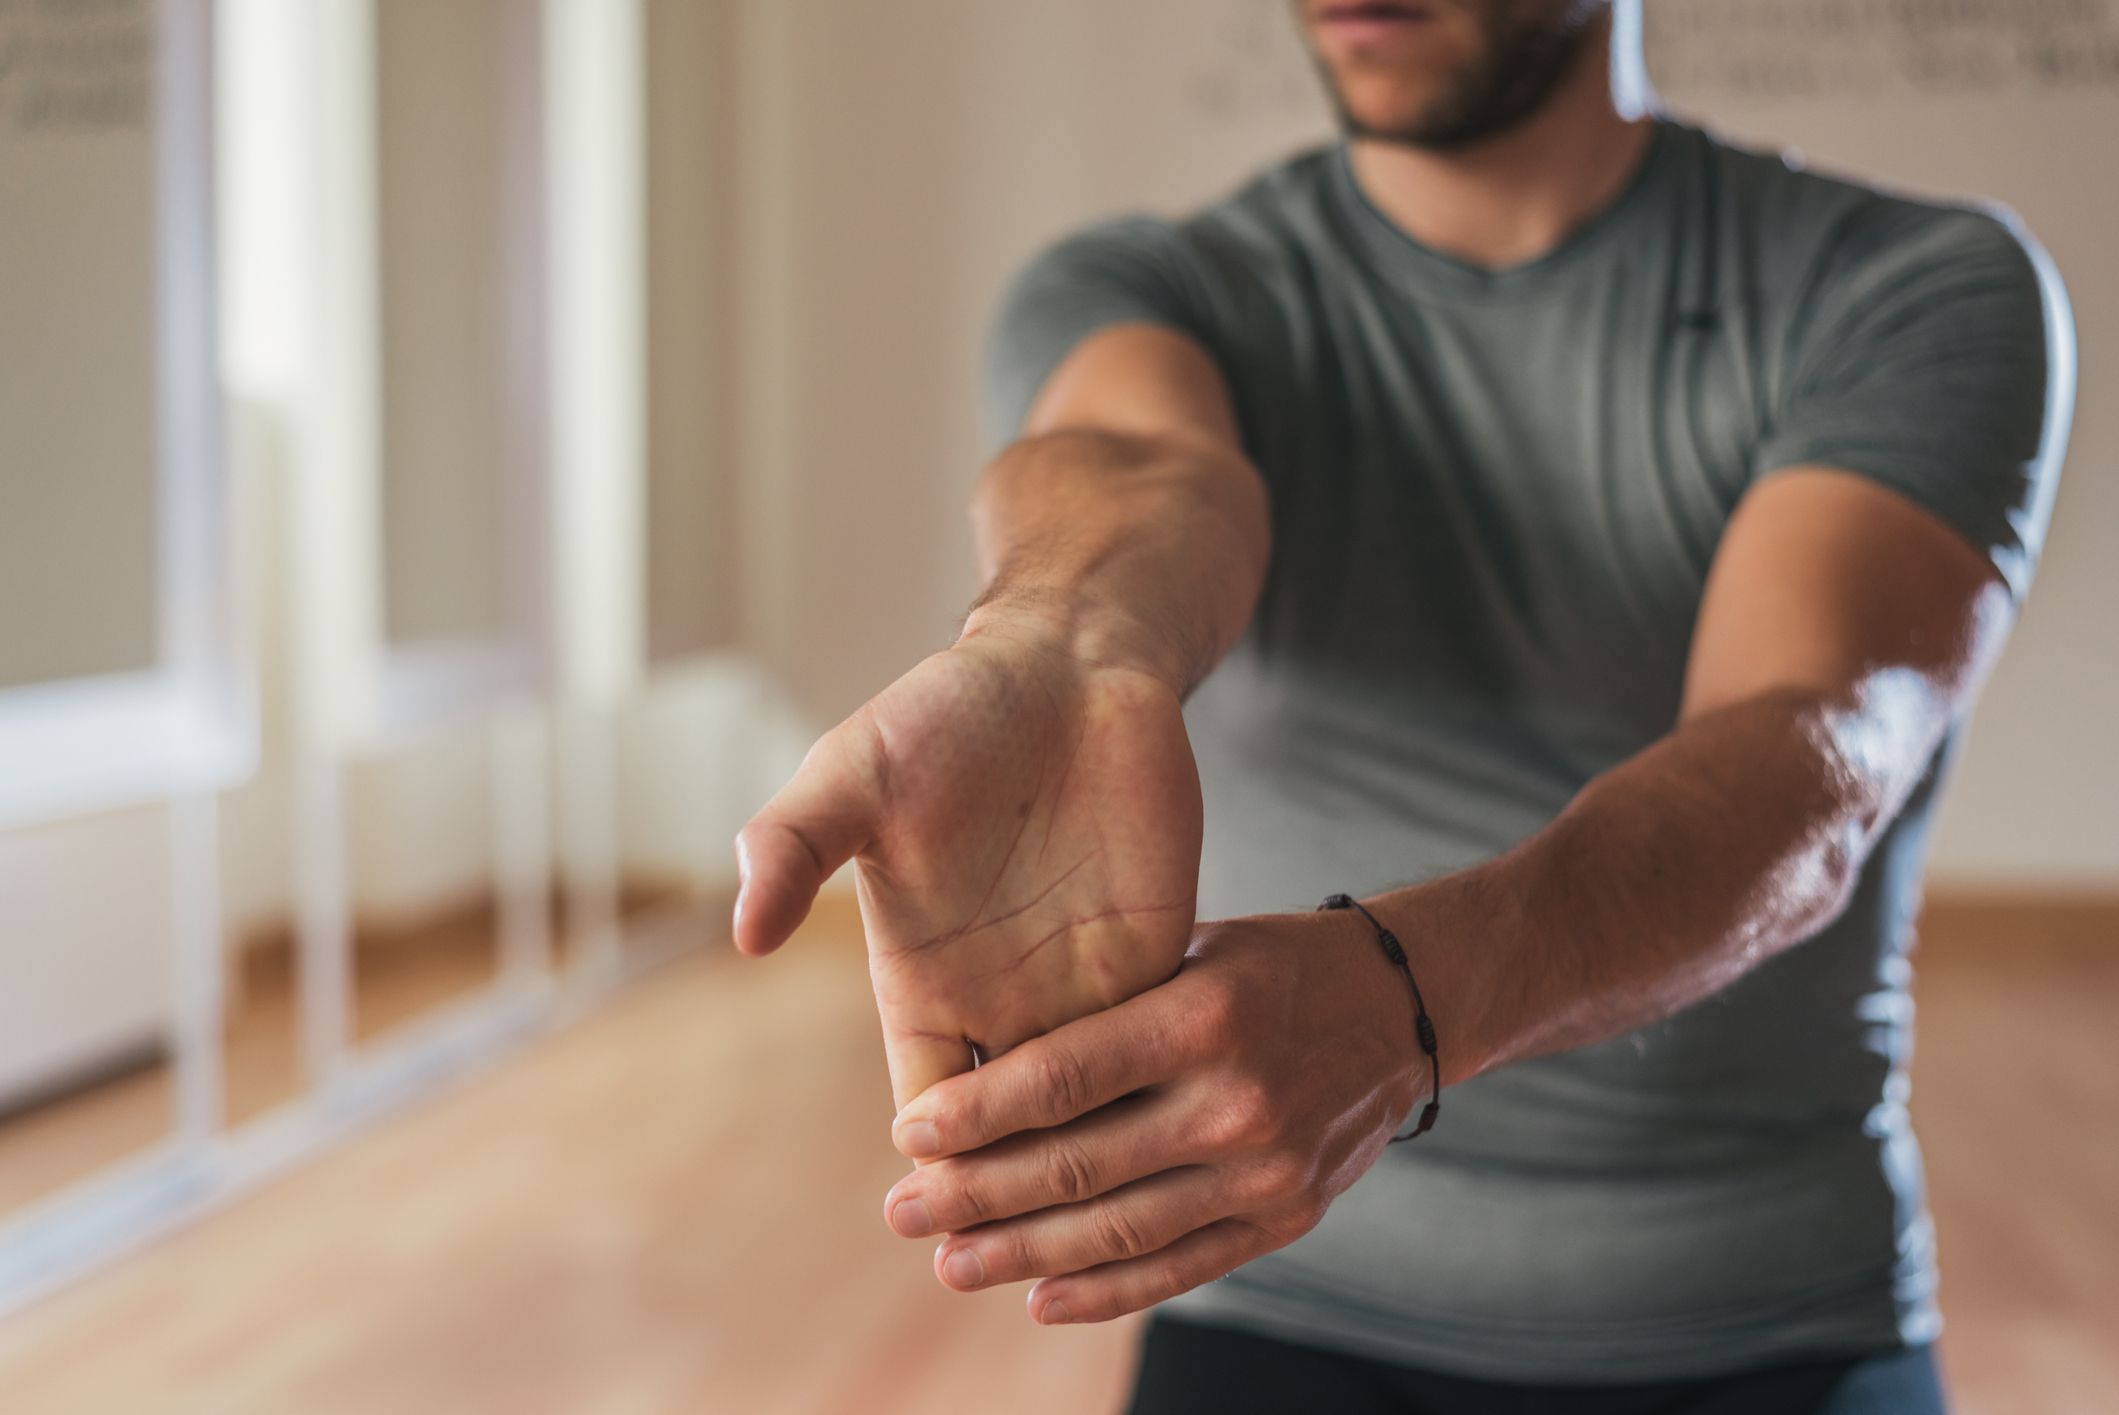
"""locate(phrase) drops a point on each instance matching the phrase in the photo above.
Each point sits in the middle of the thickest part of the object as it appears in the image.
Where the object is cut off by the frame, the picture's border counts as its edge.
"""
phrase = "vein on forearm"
(1740, 834)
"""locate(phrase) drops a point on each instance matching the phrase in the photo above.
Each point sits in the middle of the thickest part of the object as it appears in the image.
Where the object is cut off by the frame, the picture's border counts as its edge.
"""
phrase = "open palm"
(1026, 829)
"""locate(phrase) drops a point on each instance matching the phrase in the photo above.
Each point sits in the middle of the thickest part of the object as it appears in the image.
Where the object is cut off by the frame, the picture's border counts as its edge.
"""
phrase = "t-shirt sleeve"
(1129, 270)
(1936, 358)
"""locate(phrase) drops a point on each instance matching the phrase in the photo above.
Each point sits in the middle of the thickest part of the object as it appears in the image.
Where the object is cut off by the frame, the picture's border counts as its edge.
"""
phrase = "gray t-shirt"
(1495, 498)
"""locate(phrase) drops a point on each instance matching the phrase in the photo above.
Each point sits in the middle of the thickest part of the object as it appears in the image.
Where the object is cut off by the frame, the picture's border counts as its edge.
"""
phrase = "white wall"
(697, 754)
(86, 951)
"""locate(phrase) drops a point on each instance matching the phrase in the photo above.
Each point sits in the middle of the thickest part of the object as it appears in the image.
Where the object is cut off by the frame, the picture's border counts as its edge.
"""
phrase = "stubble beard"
(1519, 67)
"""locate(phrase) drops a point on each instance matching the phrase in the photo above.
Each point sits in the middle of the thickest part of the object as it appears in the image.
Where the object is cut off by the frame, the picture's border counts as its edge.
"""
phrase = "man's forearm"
(1149, 552)
(1668, 877)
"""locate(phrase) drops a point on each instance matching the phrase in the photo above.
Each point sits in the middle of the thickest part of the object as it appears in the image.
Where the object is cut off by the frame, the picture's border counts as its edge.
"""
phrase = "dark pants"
(1188, 1368)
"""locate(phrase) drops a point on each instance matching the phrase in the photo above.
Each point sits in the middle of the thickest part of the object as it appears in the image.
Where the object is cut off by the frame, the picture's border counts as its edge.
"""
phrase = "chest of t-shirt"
(1519, 497)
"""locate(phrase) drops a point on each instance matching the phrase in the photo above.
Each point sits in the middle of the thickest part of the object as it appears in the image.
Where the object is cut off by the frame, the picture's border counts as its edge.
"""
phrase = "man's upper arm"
(1111, 329)
(1826, 579)
(1902, 495)
(1141, 380)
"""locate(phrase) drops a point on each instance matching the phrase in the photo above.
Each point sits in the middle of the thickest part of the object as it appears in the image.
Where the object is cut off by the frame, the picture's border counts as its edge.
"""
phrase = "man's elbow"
(1871, 745)
(1819, 884)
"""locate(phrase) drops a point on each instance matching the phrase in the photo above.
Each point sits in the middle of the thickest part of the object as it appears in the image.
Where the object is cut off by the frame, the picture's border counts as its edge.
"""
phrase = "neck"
(1518, 195)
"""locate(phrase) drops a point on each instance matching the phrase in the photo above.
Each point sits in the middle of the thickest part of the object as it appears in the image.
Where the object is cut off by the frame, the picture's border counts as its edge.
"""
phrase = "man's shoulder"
(1815, 226)
(1272, 211)
(1284, 193)
(1237, 255)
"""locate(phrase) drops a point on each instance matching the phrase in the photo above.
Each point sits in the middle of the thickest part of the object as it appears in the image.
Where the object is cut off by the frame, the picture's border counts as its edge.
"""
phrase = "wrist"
(1388, 1006)
(1094, 635)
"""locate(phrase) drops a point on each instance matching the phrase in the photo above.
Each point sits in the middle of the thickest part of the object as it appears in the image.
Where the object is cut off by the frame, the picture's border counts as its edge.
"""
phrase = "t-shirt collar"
(1423, 270)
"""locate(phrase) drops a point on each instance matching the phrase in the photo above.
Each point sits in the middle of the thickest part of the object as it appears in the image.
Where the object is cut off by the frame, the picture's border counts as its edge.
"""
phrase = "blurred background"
(458, 453)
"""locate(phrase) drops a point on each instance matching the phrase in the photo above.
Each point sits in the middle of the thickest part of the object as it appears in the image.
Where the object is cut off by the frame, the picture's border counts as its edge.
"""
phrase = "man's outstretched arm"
(1843, 632)
(1023, 806)
(1133, 1155)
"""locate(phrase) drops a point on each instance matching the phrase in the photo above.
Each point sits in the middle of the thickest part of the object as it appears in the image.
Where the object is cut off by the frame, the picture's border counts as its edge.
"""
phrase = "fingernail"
(911, 1219)
(1053, 1312)
(963, 1269)
(919, 1140)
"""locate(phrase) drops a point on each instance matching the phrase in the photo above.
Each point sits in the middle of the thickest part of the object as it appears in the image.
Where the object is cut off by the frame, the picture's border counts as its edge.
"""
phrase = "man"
(1604, 526)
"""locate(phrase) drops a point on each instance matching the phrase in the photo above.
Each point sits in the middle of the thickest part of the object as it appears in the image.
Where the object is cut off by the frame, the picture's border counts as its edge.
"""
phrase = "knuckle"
(1019, 1255)
(824, 748)
(1119, 1233)
(1168, 1278)
(1224, 1127)
(1075, 1176)
(1247, 1117)
(956, 1201)
(1289, 1173)
(1275, 1179)
(1063, 1083)
(1299, 1219)
(1268, 1126)
(1255, 1187)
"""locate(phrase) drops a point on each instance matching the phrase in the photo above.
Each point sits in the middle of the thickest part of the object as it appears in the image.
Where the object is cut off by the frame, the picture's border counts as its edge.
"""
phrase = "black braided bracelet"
(1423, 1025)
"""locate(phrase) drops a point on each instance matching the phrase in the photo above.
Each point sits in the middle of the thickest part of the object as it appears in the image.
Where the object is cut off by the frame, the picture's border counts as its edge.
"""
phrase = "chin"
(1377, 105)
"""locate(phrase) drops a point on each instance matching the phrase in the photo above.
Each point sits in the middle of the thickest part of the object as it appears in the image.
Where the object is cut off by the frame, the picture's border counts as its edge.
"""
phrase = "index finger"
(1046, 1081)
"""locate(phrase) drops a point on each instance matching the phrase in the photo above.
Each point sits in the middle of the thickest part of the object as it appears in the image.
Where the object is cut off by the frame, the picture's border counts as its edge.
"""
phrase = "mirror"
(459, 212)
(118, 682)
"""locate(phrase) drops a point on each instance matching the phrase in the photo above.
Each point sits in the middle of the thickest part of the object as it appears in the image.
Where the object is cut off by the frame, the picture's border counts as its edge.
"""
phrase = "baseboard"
(1961, 916)
(271, 946)
(115, 1063)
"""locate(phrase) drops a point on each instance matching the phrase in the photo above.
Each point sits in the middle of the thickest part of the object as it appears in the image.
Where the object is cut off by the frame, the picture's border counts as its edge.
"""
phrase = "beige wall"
(691, 545)
(444, 163)
(898, 160)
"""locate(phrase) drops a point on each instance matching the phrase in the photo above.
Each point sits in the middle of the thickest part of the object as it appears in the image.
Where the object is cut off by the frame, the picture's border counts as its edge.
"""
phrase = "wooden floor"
(674, 1207)
(400, 975)
(397, 979)
(2016, 1101)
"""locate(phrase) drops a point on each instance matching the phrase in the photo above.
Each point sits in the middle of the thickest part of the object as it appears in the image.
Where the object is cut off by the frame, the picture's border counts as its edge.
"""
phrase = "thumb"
(817, 822)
